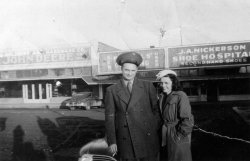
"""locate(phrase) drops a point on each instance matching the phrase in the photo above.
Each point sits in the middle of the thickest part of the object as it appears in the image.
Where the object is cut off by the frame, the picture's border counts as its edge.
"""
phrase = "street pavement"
(243, 112)
(52, 134)
(223, 135)
(34, 134)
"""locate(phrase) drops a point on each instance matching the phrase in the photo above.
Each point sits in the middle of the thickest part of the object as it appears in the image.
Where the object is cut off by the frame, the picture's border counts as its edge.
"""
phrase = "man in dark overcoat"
(132, 116)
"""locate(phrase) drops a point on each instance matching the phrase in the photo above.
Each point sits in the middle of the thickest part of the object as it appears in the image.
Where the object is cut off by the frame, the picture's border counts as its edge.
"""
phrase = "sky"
(123, 24)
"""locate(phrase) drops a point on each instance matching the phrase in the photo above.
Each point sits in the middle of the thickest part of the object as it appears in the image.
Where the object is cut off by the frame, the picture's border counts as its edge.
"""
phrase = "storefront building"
(45, 76)
(215, 72)
(208, 73)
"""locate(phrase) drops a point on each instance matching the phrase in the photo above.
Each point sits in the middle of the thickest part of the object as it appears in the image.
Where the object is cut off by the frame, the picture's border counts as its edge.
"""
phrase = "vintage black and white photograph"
(124, 80)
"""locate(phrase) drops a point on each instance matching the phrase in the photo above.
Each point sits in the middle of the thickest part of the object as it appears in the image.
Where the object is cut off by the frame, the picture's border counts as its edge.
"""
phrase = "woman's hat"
(164, 73)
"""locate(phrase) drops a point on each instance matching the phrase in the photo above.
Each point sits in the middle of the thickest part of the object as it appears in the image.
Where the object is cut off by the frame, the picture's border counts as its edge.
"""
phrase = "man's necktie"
(129, 86)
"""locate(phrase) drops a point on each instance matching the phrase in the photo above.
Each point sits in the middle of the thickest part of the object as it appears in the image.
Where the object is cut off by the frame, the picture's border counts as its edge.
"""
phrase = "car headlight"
(86, 157)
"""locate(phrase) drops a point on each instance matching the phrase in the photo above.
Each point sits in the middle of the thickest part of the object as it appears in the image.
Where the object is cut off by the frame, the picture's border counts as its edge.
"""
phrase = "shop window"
(51, 73)
(248, 69)
(12, 74)
(4, 75)
(39, 72)
(203, 90)
(193, 91)
(62, 89)
(244, 69)
(193, 72)
(59, 72)
(69, 72)
(29, 91)
(44, 90)
(81, 86)
(222, 71)
(2, 92)
(36, 91)
(235, 87)
(178, 72)
(10, 90)
(183, 72)
(82, 71)
(187, 72)
(25, 73)
(201, 71)
(190, 89)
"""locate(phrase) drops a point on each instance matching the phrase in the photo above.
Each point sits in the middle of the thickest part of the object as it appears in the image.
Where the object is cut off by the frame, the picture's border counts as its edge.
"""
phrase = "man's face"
(129, 71)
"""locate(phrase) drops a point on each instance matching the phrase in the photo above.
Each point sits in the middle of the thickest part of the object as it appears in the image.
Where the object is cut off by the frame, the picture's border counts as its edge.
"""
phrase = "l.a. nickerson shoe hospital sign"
(209, 55)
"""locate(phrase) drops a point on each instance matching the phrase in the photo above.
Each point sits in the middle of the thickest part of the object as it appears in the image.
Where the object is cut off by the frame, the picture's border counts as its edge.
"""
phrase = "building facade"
(208, 73)
(213, 72)
(44, 76)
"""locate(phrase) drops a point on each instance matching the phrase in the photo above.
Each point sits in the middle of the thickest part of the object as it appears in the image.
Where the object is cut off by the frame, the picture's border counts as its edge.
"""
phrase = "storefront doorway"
(212, 91)
(37, 92)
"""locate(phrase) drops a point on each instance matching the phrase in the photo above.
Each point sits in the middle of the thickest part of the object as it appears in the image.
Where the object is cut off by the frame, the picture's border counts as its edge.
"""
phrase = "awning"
(94, 80)
(107, 79)
(214, 77)
(114, 78)
(150, 76)
(89, 80)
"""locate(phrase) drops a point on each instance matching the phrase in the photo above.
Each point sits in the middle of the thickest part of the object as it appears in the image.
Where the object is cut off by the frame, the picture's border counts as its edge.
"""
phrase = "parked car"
(97, 149)
(83, 100)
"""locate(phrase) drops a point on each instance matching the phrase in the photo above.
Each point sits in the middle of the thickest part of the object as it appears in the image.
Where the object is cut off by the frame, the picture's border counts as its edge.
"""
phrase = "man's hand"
(113, 149)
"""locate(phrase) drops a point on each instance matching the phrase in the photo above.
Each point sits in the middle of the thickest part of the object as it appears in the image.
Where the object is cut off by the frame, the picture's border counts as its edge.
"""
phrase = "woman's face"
(166, 85)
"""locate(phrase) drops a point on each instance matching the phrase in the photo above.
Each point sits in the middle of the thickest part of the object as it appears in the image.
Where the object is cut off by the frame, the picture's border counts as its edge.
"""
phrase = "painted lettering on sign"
(79, 54)
(209, 55)
(152, 59)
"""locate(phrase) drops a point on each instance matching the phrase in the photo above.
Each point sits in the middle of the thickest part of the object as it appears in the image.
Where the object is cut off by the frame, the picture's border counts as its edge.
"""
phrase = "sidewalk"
(19, 103)
(30, 105)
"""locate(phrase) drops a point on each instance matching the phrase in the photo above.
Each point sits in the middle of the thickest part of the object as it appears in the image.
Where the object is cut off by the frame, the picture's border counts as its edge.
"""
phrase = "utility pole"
(162, 34)
(181, 34)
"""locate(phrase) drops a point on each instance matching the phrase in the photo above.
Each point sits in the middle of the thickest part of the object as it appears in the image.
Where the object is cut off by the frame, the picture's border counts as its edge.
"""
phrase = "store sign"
(45, 58)
(209, 55)
(58, 73)
(152, 59)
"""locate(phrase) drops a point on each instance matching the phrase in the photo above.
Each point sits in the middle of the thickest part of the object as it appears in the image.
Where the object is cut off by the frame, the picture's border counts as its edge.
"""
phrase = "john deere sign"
(209, 55)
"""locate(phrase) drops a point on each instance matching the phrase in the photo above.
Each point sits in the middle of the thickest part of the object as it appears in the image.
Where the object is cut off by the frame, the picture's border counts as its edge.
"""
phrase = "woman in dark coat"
(178, 119)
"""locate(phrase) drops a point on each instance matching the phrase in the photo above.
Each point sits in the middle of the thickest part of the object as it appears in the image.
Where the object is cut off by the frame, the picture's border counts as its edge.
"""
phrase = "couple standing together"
(138, 124)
